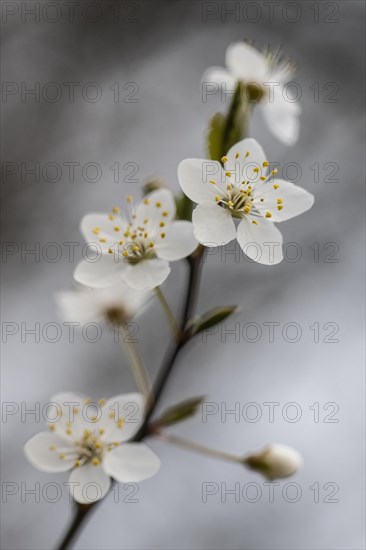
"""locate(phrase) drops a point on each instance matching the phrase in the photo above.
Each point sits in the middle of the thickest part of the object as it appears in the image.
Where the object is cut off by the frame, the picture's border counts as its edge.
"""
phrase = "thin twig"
(196, 447)
(168, 312)
(137, 368)
(195, 264)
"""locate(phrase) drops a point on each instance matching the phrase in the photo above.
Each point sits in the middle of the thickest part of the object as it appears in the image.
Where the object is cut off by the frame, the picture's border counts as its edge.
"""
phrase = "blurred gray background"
(164, 48)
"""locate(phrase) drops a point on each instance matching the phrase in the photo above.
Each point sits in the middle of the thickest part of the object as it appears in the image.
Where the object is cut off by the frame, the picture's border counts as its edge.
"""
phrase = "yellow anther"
(76, 410)
(95, 461)
(230, 203)
(262, 200)
(237, 155)
(102, 431)
(121, 242)
(224, 159)
(116, 210)
(217, 198)
(263, 178)
(162, 235)
(52, 427)
(275, 186)
(275, 171)
(146, 235)
(111, 217)
(135, 249)
(102, 402)
(69, 431)
(96, 230)
(146, 201)
(265, 164)
(110, 251)
(158, 205)
(162, 224)
(62, 456)
(247, 154)
(103, 240)
(256, 169)
(279, 201)
(117, 228)
(129, 198)
(145, 221)
(125, 253)
(98, 445)
(279, 206)
(254, 222)
(52, 448)
(268, 215)
(228, 174)
(229, 187)
(247, 208)
(213, 182)
(77, 463)
(120, 423)
(165, 214)
(151, 245)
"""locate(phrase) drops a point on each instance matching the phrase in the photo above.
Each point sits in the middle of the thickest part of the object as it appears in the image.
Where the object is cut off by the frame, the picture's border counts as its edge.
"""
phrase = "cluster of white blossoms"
(242, 191)
(90, 439)
(265, 76)
(239, 198)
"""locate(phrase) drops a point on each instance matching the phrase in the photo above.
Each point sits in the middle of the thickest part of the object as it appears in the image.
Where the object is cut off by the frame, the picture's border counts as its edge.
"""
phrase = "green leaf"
(215, 136)
(179, 412)
(184, 208)
(212, 318)
(226, 130)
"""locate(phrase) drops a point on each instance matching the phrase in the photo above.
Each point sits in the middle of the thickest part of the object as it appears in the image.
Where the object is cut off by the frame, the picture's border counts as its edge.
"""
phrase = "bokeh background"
(163, 47)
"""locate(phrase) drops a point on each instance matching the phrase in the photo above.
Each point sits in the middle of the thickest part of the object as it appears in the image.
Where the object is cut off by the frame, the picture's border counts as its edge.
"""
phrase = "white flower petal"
(97, 228)
(282, 116)
(194, 177)
(132, 462)
(219, 75)
(105, 271)
(147, 274)
(243, 158)
(42, 454)
(261, 242)
(130, 408)
(89, 483)
(156, 207)
(246, 63)
(294, 200)
(213, 225)
(179, 241)
(78, 306)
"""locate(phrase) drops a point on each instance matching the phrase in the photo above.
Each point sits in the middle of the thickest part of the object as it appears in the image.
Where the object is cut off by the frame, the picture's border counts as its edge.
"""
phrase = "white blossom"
(241, 200)
(136, 248)
(264, 76)
(91, 440)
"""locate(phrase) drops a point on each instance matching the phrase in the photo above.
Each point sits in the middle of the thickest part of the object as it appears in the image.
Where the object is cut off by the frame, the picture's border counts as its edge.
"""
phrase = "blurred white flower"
(244, 191)
(264, 76)
(139, 249)
(275, 461)
(90, 439)
(115, 304)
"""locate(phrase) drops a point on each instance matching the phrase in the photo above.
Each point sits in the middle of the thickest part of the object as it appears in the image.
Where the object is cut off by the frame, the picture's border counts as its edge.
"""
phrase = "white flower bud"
(275, 461)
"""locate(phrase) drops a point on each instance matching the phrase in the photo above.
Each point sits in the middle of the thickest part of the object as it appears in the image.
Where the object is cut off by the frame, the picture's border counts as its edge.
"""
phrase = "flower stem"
(195, 265)
(137, 368)
(197, 447)
(168, 312)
